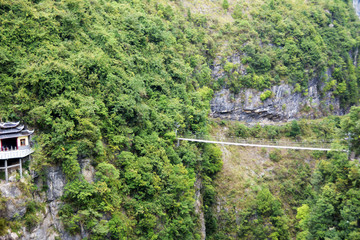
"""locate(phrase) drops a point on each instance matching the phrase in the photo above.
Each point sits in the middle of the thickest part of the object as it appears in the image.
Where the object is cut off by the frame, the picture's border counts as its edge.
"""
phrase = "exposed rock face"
(198, 207)
(87, 170)
(356, 4)
(284, 104)
(217, 68)
(15, 204)
(55, 181)
(50, 227)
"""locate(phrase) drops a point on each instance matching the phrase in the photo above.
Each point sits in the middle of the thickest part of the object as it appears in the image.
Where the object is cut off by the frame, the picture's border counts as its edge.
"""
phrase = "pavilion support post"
(6, 171)
(20, 162)
(178, 143)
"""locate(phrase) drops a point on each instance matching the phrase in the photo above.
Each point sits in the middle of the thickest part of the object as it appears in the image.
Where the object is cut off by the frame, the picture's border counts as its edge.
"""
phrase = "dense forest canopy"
(110, 81)
(295, 42)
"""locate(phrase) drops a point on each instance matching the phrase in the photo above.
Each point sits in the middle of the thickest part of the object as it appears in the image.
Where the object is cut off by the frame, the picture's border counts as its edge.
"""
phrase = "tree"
(237, 14)
(295, 129)
(350, 129)
(225, 4)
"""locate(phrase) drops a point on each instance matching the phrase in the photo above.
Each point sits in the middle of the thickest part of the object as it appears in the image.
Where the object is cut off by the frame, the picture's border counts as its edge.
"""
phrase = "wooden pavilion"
(14, 146)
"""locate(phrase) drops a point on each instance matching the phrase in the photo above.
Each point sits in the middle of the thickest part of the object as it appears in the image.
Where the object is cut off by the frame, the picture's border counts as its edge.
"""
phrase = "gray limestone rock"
(284, 104)
(198, 206)
(15, 205)
(87, 170)
(50, 227)
(10, 190)
(10, 236)
(356, 4)
(56, 181)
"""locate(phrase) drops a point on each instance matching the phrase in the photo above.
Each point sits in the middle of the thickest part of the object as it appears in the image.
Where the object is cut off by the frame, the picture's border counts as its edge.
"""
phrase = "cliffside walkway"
(320, 146)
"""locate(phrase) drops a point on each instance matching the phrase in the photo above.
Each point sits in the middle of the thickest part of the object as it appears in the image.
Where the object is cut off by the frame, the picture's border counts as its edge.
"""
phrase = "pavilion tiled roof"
(13, 130)
(9, 125)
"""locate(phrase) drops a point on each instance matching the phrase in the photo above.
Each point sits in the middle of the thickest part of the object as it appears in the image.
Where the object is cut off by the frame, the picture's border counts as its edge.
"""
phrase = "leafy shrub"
(263, 151)
(240, 130)
(265, 95)
(275, 155)
(228, 67)
(225, 4)
(32, 216)
(295, 129)
(3, 226)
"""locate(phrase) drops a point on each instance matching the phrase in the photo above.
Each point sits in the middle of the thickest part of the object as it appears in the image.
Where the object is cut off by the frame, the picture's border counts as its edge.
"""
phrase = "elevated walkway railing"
(267, 143)
(15, 153)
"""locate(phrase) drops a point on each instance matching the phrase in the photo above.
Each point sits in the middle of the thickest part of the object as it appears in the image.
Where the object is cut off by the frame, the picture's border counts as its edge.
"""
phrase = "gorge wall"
(356, 4)
(285, 102)
(45, 223)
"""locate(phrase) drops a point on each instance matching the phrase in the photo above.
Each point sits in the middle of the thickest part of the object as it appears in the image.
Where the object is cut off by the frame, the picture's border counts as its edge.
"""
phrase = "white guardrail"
(15, 154)
(259, 144)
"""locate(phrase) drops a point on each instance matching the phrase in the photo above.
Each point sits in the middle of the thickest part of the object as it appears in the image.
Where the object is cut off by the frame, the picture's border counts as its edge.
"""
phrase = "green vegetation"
(32, 216)
(351, 129)
(322, 129)
(293, 42)
(272, 221)
(225, 5)
(307, 195)
(275, 155)
(265, 95)
(3, 226)
(263, 219)
(334, 210)
(110, 81)
(258, 197)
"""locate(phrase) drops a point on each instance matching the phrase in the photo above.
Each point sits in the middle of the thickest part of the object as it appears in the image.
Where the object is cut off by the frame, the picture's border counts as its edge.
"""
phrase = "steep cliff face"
(284, 103)
(278, 61)
(282, 106)
(356, 4)
(16, 197)
(17, 200)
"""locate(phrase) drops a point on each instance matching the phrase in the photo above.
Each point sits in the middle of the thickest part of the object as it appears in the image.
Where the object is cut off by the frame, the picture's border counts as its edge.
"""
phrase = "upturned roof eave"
(8, 125)
(11, 130)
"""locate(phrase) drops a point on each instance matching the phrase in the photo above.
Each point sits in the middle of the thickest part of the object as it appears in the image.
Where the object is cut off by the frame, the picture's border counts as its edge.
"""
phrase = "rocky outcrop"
(198, 207)
(56, 182)
(285, 102)
(283, 105)
(14, 206)
(87, 170)
(356, 4)
(16, 199)
(218, 68)
(50, 226)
